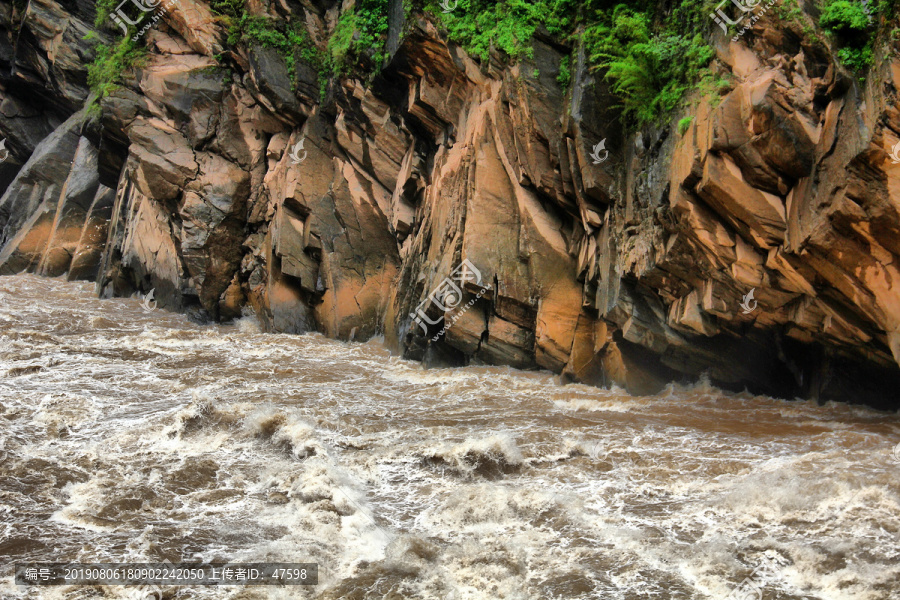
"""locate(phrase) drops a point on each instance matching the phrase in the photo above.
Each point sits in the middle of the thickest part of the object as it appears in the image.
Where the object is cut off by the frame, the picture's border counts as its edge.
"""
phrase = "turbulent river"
(136, 436)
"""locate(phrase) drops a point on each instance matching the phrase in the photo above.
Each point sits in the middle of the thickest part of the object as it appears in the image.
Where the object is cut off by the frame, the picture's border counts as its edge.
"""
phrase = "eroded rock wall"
(225, 182)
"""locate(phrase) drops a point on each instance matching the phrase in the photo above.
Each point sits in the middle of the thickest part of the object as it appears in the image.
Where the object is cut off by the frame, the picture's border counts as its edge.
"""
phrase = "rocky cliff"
(227, 179)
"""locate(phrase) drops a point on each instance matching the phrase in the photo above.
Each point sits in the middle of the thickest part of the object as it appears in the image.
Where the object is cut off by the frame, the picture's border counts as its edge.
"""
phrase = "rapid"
(129, 435)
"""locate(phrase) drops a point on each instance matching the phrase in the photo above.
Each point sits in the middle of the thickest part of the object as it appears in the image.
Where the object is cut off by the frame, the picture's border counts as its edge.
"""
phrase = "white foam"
(476, 482)
(499, 450)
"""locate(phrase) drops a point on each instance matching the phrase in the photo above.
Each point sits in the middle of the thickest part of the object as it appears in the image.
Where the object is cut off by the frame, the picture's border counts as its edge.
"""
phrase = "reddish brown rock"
(237, 185)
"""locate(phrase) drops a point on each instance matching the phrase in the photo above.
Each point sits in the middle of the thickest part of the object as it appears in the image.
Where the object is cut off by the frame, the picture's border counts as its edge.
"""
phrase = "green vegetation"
(684, 124)
(853, 29)
(713, 86)
(107, 71)
(227, 8)
(341, 42)
(788, 10)
(508, 25)
(289, 39)
(565, 76)
(886, 8)
(844, 17)
(856, 59)
(853, 25)
(651, 52)
(651, 56)
(104, 7)
(650, 62)
(360, 39)
(284, 37)
(649, 71)
(360, 36)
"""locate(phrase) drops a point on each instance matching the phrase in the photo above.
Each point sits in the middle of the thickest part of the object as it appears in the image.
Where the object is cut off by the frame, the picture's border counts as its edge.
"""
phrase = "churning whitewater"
(135, 436)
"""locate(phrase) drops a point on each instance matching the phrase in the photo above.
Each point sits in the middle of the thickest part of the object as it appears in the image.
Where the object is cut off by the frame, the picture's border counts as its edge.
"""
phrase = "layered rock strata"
(225, 185)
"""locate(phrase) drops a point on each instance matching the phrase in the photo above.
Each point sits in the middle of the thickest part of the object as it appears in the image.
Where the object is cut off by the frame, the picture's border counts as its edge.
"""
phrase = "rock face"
(233, 188)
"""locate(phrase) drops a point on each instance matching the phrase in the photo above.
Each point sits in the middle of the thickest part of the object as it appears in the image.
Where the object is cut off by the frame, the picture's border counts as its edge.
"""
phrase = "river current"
(129, 435)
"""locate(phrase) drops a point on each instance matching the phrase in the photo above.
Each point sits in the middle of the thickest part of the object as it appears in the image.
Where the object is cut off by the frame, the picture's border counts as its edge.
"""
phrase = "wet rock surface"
(248, 188)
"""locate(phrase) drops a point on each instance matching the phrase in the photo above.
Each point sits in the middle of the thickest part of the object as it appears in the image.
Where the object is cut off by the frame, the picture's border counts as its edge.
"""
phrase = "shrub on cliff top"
(649, 71)
(479, 25)
(107, 71)
(286, 38)
(652, 77)
(340, 44)
(851, 23)
(228, 8)
(103, 7)
(650, 62)
(844, 16)
(360, 36)
(565, 73)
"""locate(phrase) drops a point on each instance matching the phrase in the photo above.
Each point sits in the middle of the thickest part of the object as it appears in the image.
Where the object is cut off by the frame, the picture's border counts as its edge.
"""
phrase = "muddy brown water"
(133, 436)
